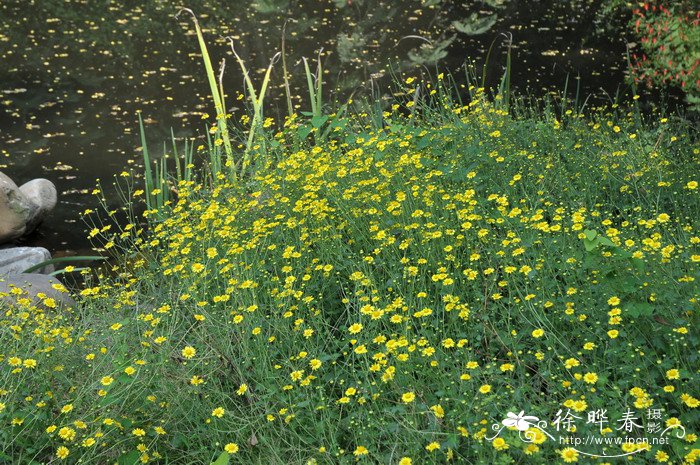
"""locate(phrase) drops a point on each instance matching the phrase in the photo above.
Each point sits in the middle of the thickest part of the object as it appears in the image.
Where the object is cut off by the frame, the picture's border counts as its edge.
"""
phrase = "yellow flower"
(138, 432)
(538, 333)
(432, 446)
(538, 437)
(218, 412)
(198, 267)
(360, 450)
(189, 352)
(590, 378)
(231, 447)
(579, 405)
(569, 455)
(692, 185)
(242, 389)
(315, 364)
(690, 401)
(355, 328)
(613, 333)
(499, 444)
(67, 408)
(673, 374)
(613, 301)
(438, 410)
(62, 452)
(106, 380)
(485, 389)
(405, 461)
(408, 397)
(66, 433)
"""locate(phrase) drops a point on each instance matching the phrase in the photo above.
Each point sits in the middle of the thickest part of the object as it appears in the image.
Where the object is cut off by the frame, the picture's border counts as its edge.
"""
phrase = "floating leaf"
(475, 24)
(431, 53)
(270, 6)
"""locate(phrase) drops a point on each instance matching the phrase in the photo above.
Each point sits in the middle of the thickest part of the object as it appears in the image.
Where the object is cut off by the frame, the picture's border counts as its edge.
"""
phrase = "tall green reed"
(217, 93)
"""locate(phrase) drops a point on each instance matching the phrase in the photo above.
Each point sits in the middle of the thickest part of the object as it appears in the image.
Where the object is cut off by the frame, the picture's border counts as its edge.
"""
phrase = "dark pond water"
(75, 73)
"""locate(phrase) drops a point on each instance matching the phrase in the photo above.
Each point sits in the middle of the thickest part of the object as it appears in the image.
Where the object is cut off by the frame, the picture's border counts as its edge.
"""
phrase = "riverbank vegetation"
(376, 284)
(378, 287)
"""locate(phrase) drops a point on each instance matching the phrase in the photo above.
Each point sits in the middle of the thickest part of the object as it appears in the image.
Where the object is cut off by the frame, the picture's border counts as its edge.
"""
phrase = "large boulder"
(15, 210)
(42, 193)
(35, 287)
(23, 208)
(14, 260)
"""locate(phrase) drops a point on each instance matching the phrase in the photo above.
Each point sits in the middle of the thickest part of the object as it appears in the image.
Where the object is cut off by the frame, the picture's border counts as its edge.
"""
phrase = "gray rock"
(42, 193)
(5, 181)
(14, 260)
(33, 284)
(15, 210)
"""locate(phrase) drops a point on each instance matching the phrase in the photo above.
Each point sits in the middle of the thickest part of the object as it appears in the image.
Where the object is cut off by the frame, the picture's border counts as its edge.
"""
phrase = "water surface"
(76, 72)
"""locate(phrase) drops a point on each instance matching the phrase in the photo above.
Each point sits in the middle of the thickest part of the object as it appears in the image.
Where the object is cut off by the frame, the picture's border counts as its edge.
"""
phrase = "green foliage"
(670, 47)
(377, 291)
(217, 94)
(429, 53)
(475, 24)
(667, 43)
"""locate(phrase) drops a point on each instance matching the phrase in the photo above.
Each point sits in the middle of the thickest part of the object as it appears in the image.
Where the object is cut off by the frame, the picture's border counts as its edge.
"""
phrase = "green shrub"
(383, 296)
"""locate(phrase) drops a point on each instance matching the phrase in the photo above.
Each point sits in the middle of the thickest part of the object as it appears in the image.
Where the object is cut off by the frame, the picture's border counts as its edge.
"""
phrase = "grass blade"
(216, 96)
(54, 261)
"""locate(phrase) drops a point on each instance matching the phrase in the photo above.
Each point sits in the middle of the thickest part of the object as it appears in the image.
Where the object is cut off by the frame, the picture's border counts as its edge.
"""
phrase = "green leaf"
(223, 459)
(475, 24)
(452, 441)
(179, 440)
(107, 400)
(589, 245)
(424, 142)
(304, 131)
(590, 234)
(318, 121)
(638, 264)
(129, 458)
(640, 309)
